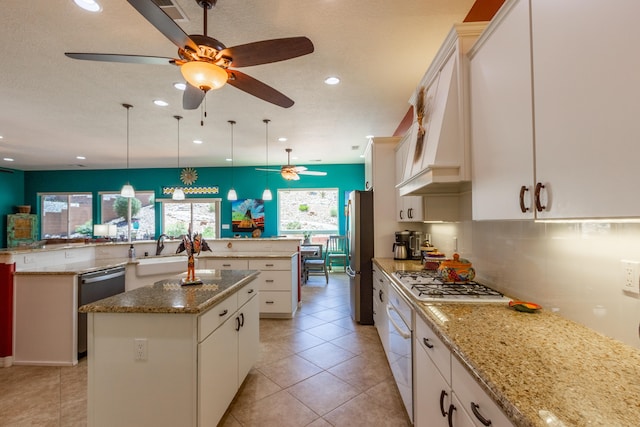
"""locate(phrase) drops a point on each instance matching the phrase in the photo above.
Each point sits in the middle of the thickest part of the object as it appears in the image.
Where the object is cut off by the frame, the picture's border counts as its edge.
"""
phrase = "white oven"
(399, 353)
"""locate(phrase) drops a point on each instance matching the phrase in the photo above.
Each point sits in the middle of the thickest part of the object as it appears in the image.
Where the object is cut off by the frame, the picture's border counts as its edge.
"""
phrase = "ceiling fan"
(290, 172)
(205, 62)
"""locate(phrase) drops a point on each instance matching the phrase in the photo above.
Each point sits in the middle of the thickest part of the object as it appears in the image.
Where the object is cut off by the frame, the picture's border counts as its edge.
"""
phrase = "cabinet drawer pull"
(539, 188)
(380, 295)
(238, 324)
(483, 420)
(226, 265)
(241, 319)
(269, 280)
(427, 343)
(250, 291)
(268, 265)
(523, 190)
(224, 313)
(269, 302)
(450, 415)
(443, 394)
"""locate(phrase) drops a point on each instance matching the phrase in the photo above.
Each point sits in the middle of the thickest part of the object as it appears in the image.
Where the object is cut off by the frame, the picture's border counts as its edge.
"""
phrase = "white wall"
(573, 269)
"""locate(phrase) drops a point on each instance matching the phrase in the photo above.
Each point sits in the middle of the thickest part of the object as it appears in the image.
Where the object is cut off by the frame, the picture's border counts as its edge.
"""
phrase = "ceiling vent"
(171, 9)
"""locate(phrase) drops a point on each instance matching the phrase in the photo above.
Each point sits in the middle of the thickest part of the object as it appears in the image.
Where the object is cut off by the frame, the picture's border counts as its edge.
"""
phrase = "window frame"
(129, 223)
(303, 232)
(204, 200)
(43, 194)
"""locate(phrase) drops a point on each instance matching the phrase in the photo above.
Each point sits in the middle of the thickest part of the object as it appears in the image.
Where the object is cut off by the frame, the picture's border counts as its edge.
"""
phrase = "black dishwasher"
(92, 287)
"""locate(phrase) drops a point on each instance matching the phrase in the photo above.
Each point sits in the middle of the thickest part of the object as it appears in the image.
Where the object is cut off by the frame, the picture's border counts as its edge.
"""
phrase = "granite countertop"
(75, 267)
(169, 296)
(531, 362)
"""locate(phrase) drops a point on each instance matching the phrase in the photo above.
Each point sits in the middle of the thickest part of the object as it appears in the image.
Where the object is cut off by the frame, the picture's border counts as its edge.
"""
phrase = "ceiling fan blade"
(192, 97)
(258, 89)
(267, 51)
(131, 59)
(163, 23)
(316, 173)
(299, 168)
(268, 170)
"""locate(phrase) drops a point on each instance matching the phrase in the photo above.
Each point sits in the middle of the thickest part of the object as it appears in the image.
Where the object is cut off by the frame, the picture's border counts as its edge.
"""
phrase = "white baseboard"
(6, 361)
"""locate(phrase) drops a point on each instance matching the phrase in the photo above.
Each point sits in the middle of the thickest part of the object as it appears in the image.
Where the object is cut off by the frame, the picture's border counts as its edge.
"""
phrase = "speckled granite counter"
(540, 361)
(75, 267)
(168, 296)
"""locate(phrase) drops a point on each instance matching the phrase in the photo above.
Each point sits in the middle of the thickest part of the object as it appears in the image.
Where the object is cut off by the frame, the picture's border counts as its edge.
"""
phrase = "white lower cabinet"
(225, 357)
(380, 299)
(277, 282)
(445, 393)
(479, 407)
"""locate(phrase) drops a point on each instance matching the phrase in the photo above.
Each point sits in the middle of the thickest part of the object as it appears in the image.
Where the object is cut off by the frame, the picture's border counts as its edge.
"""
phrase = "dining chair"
(337, 251)
(315, 262)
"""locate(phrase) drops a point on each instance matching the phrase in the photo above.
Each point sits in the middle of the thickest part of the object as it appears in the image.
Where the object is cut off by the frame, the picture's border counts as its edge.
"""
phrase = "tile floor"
(318, 369)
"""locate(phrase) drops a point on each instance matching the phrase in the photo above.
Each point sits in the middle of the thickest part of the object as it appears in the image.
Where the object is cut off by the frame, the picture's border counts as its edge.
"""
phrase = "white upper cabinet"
(408, 208)
(554, 99)
(501, 117)
(587, 100)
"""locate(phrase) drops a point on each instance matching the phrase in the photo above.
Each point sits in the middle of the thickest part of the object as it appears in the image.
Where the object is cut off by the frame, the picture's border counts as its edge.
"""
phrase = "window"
(204, 214)
(64, 215)
(308, 211)
(114, 210)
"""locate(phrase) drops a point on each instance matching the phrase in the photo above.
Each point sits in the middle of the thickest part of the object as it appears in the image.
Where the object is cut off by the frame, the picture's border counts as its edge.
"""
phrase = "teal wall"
(11, 195)
(248, 183)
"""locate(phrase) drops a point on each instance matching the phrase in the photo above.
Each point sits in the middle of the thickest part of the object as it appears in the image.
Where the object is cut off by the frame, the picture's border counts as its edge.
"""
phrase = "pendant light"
(266, 194)
(178, 193)
(127, 189)
(232, 195)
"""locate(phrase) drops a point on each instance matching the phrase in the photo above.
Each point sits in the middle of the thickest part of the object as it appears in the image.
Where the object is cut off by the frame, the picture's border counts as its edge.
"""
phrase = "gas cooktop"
(425, 285)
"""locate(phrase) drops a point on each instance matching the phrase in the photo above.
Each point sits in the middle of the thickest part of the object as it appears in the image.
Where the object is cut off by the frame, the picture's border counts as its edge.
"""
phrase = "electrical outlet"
(140, 351)
(29, 259)
(631, 276)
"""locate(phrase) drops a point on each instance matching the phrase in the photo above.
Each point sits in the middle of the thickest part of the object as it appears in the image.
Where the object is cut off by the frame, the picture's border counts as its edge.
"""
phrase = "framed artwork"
(247, 215)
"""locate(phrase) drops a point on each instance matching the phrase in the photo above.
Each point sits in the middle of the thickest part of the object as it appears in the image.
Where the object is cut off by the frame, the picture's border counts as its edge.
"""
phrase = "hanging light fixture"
(266, 194)
(232, 195)
(178, 193)
(127, 189)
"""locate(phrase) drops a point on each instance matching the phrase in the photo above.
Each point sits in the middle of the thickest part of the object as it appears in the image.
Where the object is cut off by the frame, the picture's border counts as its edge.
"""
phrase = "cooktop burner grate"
(425, 285)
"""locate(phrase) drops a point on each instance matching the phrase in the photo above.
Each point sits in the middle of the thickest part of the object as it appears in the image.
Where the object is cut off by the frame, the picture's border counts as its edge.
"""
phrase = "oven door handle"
(403, 334)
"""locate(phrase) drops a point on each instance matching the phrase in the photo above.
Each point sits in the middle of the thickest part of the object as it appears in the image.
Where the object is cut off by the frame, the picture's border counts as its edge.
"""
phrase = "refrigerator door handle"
(350, 272)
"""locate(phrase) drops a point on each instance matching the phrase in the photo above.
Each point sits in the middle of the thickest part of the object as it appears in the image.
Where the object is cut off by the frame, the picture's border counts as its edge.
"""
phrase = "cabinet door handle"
(401, 216)
(380, 295)
(269, 302)
(224, 313)
(410, 213)
(241, 319)
(483, 420)
(250, 291)
(539, 188)
(427, 343)
(523, 190)
(450, 415)
(237, 324)
(443, 394)
(366, 185)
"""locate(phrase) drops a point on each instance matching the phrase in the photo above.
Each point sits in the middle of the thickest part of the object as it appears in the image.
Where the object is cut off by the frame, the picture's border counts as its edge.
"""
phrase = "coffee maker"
(401, 247)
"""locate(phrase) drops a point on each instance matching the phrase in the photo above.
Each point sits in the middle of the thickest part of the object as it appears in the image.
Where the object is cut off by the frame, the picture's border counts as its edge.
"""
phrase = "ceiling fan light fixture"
(289, 175)
(204, 75)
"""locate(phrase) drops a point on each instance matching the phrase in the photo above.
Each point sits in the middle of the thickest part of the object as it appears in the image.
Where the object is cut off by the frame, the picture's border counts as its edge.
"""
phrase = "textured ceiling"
(53, 108)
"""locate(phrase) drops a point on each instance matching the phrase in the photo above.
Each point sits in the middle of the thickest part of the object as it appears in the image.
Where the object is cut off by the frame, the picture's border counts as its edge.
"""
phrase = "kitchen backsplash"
(573, 269)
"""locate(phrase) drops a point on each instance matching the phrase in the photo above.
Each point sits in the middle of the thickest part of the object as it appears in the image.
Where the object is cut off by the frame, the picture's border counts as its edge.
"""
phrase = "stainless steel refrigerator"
(360, 233)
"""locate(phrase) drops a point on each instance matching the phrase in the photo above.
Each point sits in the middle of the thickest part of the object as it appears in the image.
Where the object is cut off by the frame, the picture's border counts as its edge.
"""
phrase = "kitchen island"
(534, 366)
(167, 354)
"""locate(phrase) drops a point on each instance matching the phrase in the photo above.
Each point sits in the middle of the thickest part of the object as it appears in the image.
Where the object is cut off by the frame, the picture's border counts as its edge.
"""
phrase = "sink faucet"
(160, 244)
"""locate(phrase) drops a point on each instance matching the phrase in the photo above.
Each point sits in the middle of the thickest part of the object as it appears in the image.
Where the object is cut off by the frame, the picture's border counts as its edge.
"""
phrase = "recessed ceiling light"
(369, 136)
(1, 136)
(228, 159)
(197, 141)
(282, 139)
(160, 102)
(332, 80)
(180, 86)
(89, 5)
(81, 158)
(8, 159)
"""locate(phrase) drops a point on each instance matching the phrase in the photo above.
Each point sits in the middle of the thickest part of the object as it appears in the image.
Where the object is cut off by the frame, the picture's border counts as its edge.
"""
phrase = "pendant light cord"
(232, 122)
(128, 107)
(178, 118)
(266, 138)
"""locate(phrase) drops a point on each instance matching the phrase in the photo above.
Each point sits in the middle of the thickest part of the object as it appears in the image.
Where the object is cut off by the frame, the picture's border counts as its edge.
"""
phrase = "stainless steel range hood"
(439, 155)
